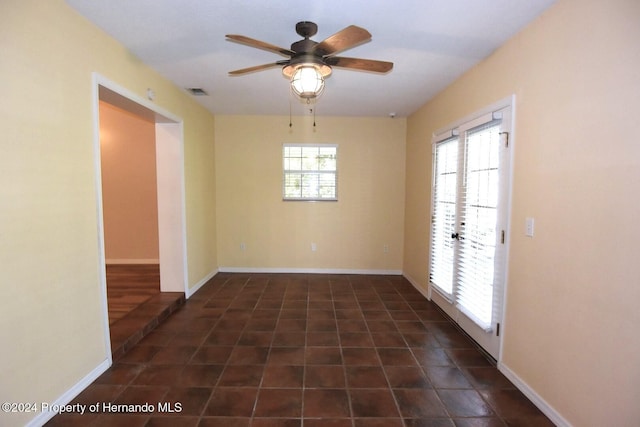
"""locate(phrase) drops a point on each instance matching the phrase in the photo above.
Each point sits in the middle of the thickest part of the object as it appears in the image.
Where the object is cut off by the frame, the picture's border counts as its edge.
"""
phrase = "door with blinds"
(469, 223)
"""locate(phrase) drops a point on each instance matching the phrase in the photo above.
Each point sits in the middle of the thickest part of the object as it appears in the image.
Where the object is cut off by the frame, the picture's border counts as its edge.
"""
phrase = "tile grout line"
(343, 363)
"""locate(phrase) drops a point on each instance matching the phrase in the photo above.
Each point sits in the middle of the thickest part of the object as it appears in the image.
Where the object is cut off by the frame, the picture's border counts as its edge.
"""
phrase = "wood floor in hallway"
(129, 286)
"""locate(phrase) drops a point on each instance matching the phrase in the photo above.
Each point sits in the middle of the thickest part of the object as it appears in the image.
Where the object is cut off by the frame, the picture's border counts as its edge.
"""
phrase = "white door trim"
(171, 189)
(492, 343)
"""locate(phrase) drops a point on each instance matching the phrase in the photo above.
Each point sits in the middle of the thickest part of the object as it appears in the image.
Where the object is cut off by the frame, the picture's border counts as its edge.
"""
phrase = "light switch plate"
(529, 225)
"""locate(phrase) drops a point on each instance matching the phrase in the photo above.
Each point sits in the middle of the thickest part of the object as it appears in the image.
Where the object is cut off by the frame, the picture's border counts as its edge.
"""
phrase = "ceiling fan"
(309, 62)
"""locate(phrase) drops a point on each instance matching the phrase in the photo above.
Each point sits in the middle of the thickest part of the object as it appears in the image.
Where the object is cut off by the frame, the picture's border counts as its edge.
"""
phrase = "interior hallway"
(308, 350)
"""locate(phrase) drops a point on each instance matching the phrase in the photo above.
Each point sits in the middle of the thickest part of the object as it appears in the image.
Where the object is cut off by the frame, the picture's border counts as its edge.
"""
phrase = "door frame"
(170, 188)
(433, 294)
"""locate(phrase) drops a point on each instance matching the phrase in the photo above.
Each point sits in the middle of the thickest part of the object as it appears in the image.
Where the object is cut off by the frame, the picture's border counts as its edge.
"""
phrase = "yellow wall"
(53, 333)
(350, 233)
(129, 189)
(571, 329)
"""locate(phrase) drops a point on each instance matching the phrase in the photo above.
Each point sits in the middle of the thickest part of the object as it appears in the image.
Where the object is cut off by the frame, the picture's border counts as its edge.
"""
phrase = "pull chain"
(311, 111)
(290, 124)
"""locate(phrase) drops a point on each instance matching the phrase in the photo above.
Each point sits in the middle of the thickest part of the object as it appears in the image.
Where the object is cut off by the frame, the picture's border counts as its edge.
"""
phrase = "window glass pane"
(327, 185)
(293, 185)
(310, 158)
(444, 215)
(293, 151)
(309, 185)
(327, 162)
(327, 158)
(295, 164)
(479, 216)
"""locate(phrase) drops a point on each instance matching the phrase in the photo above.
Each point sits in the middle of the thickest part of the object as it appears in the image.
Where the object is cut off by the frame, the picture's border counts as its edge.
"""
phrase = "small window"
(309, 172)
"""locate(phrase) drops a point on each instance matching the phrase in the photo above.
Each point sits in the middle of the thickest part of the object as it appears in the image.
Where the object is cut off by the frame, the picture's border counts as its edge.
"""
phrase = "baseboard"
(192, 290)
(132, 261)
(308, 270)
(534, 397)
(70, 394)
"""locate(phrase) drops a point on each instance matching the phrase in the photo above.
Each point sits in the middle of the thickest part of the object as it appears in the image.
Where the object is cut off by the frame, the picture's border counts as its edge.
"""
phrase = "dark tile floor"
(305, 350)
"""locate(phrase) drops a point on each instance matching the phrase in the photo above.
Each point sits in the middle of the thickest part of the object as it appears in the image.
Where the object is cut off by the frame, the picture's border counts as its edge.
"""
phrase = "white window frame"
(288, 171)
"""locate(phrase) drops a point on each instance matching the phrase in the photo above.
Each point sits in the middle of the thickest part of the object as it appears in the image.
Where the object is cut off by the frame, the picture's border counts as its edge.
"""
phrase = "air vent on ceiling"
(197, 91)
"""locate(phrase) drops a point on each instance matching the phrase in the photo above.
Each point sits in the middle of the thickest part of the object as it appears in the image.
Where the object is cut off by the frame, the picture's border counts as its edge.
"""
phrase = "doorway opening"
(140, 187)
(129, 209)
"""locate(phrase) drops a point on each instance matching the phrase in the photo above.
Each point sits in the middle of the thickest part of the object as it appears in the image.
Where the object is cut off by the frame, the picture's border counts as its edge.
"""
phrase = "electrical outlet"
(385, 249)
(314, 247)
(243, 246)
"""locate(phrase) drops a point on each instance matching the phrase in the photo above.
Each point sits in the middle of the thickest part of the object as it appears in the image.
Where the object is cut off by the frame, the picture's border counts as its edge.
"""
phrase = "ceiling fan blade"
(260, 44)
(360, 64)
(257, 68)
(343, 40)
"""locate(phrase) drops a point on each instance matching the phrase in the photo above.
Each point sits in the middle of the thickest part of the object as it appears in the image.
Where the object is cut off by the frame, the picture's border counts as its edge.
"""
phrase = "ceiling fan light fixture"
(307, 81)
(310, 62)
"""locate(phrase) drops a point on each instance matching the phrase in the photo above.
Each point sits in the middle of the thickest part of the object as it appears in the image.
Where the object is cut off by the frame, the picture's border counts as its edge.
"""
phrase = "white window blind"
(478, 212)
(309, 172)
(443, 221)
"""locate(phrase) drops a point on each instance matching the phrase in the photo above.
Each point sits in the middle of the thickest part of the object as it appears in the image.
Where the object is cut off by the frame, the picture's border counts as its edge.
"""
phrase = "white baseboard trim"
(192, 290)
(308, 270)
(132, 261)
(534, 397)
(70, 394)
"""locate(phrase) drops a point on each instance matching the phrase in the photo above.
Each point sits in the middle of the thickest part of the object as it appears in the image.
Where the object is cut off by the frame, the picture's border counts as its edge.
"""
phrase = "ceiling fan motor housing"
(306, 29)
(306, 59)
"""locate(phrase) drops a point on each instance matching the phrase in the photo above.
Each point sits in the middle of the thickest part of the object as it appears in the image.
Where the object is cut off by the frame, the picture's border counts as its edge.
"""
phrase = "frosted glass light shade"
(307, 82)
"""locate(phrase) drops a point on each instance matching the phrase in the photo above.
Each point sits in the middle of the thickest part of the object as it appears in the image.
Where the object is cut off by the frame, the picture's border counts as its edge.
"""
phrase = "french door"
(469, 223)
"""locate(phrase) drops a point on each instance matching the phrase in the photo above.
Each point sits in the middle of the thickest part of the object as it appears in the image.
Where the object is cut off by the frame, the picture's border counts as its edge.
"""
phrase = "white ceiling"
(430, 42)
